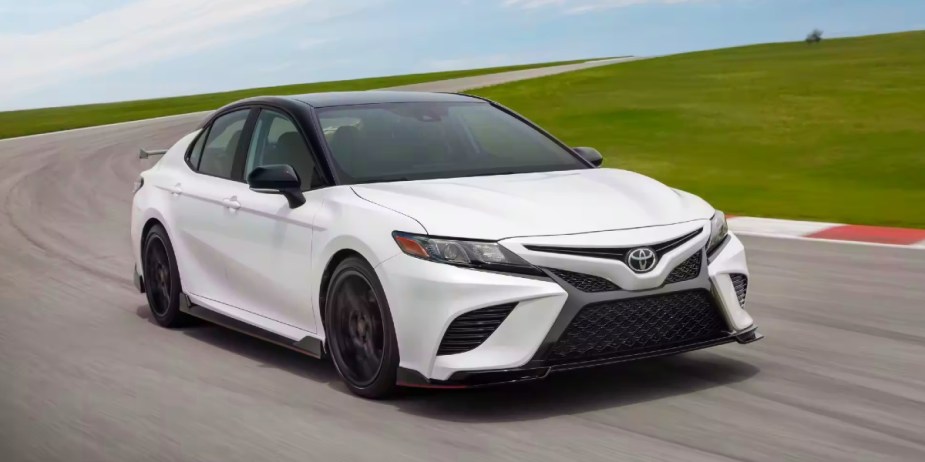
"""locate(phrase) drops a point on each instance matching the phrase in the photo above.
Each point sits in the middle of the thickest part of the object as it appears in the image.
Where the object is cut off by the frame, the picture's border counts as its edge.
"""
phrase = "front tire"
(360, 332)
(162, 279)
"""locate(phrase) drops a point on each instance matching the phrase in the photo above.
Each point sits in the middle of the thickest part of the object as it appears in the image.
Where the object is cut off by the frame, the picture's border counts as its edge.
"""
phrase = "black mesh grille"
(740, 282)
(585, 282)
(637, 325)
(688, 269)
(471, 329)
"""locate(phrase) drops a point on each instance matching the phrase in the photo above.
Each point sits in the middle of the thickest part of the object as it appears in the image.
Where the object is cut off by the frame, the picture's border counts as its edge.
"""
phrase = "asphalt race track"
(86, 375)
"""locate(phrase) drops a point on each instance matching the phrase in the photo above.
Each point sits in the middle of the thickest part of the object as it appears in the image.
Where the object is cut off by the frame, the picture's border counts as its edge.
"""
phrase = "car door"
(270, 266)
(202, 210)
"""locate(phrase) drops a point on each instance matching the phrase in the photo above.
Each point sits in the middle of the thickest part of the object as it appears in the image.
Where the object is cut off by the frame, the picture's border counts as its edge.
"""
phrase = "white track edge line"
(916, 246)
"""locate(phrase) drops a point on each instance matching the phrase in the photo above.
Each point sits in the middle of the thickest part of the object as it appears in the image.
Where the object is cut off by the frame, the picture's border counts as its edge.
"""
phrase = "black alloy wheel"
(162, 279)
(361, 337)
(157, 266)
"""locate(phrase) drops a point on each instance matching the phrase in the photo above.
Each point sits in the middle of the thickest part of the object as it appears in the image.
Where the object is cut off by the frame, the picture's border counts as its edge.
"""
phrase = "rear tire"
(360, 333)
(162, 279)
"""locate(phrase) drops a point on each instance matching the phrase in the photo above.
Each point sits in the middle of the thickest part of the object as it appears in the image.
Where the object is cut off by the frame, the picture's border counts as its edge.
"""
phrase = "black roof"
(299, 103)
(347, 98)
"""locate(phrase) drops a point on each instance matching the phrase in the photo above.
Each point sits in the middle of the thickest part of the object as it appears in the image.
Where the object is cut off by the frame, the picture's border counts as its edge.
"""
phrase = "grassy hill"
(32, 121)
(834, 131)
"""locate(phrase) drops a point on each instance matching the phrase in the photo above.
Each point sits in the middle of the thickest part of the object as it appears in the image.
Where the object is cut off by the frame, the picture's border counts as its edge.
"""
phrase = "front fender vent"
(471, 329)
(740, 282)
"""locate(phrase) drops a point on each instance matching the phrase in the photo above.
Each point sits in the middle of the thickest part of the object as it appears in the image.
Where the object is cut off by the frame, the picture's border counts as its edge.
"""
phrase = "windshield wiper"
(487, 174)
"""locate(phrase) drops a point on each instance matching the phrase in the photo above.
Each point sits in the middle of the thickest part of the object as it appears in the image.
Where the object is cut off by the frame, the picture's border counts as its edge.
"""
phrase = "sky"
(64, 52)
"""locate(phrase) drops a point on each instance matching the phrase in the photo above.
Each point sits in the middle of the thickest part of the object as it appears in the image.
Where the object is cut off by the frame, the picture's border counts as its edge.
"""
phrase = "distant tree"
(814, 37)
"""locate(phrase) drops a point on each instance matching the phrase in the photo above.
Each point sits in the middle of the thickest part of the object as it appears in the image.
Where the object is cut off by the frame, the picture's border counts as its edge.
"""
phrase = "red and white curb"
(827, 231)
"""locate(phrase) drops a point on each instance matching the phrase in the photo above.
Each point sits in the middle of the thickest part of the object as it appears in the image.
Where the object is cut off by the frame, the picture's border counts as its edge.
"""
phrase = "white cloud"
(141, 32)
(586, 6)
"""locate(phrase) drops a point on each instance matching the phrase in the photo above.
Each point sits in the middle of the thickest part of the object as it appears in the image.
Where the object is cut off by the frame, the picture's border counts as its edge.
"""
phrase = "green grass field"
(831, 132)
(32, 121)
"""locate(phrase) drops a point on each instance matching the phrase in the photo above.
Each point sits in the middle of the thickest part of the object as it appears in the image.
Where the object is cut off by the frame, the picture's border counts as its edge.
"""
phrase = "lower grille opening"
(585, 282)
(471, 329)
(639, 325)
(740, 282)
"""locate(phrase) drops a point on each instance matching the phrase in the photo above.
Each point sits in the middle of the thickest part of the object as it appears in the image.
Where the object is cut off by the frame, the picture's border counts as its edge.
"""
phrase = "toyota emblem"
(641, 260)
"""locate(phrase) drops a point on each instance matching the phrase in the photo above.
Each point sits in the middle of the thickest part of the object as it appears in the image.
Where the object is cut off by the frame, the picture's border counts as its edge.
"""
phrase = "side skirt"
(308, 345)
(138, 281)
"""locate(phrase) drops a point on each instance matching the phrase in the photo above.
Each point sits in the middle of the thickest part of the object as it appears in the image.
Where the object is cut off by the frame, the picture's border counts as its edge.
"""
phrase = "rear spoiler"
(154, 152)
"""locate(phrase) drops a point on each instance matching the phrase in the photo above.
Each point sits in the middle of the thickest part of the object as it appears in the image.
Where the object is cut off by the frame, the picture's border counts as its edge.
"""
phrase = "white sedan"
(431, 240)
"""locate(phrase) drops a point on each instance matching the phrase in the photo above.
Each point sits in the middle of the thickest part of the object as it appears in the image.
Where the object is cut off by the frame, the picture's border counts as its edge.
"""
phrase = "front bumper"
(425, 298)
(471, 379)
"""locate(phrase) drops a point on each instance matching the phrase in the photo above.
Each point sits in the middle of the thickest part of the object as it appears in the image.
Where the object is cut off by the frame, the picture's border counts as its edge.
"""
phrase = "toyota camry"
(428, 240)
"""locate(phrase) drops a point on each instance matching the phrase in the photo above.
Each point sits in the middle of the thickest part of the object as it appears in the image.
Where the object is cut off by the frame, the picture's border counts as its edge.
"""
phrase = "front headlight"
(459, 252)
(718, 231)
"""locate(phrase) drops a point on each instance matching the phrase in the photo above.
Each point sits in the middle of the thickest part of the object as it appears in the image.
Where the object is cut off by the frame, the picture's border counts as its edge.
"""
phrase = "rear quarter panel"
(153, 200)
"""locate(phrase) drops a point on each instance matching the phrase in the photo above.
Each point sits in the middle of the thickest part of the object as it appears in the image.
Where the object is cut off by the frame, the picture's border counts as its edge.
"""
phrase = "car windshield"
(414, 141)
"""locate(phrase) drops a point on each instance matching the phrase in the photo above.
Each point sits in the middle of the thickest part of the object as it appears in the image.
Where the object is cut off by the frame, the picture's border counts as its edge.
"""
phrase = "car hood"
(537, 204)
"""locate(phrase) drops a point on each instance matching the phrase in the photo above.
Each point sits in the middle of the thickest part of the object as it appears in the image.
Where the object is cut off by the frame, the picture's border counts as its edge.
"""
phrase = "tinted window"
(276, 140)
(222, 143)
(408, 141)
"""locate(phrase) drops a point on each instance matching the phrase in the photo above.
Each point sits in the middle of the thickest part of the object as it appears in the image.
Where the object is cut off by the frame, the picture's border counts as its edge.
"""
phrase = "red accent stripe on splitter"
(436, 387)
(901, 236)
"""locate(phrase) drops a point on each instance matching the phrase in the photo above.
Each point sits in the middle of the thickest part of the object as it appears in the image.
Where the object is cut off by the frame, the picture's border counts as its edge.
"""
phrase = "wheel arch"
(150, 217)
(146, 222)
(329, 268)
(147, 228)
(150, 223)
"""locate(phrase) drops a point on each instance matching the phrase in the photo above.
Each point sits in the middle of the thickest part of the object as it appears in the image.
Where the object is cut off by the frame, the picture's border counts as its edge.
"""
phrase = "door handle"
(232, 202)
(176, 189)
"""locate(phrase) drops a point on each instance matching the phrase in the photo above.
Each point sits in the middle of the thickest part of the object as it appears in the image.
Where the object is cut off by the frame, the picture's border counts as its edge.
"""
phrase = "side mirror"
(277, 179)
(591, 155)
